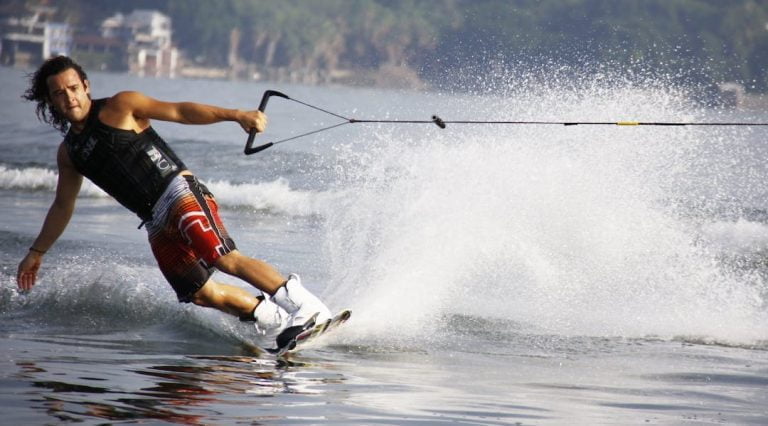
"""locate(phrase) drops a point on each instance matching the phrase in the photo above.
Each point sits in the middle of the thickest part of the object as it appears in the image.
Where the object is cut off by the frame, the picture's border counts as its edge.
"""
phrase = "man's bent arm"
(56, 220)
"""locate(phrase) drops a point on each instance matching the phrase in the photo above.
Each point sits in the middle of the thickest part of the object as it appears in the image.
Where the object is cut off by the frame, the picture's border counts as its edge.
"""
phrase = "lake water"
(498, 274)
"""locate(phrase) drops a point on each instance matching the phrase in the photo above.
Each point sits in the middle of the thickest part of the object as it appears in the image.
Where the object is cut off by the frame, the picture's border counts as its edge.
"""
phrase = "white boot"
(299, 303)
(270, 321)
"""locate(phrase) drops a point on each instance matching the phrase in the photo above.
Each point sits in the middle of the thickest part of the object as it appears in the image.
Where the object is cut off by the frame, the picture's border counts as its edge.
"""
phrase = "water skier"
(111, 142)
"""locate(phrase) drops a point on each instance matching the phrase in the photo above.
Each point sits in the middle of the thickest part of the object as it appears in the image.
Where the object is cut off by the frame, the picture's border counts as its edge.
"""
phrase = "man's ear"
(87, 85)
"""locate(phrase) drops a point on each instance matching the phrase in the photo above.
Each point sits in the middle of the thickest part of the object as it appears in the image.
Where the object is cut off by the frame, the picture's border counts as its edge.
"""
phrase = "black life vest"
(134, 168)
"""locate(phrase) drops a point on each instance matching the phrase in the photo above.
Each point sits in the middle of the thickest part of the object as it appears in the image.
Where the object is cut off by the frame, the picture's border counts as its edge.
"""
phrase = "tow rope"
(249, 149)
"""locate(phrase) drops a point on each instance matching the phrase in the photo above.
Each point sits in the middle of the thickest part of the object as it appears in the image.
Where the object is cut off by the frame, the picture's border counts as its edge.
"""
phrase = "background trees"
(706, 39)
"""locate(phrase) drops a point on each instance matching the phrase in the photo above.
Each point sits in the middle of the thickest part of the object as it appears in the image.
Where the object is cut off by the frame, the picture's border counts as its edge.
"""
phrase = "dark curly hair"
(38, 89)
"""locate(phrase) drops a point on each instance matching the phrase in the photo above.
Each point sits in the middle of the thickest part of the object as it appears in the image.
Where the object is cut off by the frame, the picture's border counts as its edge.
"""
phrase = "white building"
(147, 35)
(31, 40)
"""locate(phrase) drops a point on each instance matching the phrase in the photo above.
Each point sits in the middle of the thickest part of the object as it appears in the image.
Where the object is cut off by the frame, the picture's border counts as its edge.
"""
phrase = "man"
(111, 142)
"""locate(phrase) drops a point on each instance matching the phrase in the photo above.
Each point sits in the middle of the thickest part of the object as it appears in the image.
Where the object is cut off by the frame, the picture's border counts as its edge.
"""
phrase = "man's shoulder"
(120, 106)
(124, 98)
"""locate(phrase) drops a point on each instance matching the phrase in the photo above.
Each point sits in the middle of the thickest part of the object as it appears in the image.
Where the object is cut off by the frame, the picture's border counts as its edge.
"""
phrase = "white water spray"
(573, 231)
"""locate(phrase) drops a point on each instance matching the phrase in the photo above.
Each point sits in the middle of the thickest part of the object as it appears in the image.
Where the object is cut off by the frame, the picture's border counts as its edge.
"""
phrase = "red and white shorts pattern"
(187, 235)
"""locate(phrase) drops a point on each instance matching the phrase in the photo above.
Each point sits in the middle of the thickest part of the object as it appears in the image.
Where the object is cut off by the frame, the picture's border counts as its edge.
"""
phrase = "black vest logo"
(165, 165)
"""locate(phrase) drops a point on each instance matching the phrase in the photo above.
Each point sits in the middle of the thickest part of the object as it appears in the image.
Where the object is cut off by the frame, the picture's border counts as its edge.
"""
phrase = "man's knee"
(204, 296)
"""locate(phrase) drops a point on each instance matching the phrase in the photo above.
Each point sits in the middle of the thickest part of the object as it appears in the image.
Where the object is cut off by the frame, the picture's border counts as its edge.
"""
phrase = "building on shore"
(146, 36)
(139, 42)
(29, 40)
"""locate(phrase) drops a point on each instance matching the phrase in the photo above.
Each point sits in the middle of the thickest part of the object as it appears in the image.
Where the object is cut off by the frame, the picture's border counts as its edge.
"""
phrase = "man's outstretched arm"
(56, 220)
(127, 106)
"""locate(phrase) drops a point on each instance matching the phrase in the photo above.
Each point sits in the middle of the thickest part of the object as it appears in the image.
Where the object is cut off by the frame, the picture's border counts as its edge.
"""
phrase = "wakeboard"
(311, 333)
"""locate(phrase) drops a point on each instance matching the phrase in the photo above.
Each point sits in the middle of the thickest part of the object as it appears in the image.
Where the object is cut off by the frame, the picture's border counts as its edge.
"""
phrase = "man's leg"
(253, 271)
(226, 298)
(268, 318)
(200, 227)
(288, 294)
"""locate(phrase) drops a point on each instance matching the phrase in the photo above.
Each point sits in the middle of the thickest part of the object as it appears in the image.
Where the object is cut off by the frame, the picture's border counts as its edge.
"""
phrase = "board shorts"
(187, 236)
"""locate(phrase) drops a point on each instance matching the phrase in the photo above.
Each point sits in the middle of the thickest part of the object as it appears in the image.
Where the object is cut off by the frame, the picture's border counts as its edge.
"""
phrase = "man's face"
(70, 96)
